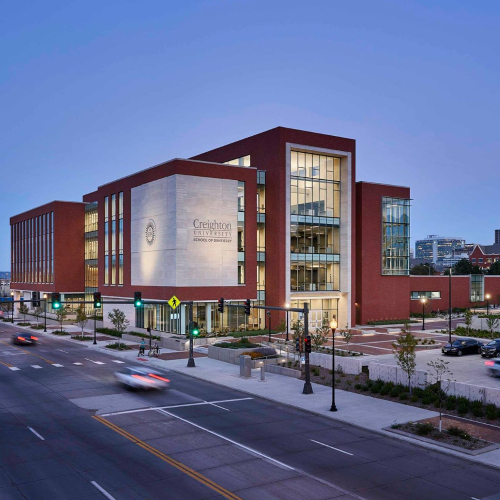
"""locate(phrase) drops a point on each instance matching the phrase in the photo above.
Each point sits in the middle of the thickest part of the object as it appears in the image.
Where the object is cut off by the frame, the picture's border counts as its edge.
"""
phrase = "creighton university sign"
(212, 231)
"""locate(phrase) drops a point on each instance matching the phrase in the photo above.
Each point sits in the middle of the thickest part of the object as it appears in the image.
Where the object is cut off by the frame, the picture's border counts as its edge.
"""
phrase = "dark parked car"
(24, 339)
(462, 346)
(491, 349)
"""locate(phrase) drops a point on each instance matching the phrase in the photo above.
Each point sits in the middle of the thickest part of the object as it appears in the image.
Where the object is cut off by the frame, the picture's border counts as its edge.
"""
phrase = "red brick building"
(277, 218)
(485, 255)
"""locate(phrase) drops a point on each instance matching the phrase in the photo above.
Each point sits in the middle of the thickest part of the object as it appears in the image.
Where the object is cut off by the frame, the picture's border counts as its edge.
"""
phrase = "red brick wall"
(378, 297)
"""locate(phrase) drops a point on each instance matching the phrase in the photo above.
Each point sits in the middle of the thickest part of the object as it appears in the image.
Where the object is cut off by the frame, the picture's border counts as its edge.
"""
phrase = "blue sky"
(91, 91)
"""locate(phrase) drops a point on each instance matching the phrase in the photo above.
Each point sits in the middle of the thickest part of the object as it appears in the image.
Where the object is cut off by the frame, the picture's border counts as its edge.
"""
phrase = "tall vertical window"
(314, 222)
(395, 236)
(120, 238)
(52, 247)
(241, 232)
(106, 240)
(113, 239)
(476, 287)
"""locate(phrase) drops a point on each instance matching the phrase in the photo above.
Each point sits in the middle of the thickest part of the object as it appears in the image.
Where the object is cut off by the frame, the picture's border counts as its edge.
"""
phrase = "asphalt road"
(67, 431)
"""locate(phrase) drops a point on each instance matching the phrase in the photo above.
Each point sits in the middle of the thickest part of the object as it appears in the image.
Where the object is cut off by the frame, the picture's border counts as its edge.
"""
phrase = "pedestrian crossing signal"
(97, 300)
(137, 299)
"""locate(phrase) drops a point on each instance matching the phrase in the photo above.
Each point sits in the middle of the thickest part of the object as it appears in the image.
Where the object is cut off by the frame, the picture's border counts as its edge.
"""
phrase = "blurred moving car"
(491, 349)
(493, 366)
(462, 346)
(24, 339)
(139, 378)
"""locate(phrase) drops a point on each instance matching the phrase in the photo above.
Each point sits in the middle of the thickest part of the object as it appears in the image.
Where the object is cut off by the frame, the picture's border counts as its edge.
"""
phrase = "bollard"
(263, 373)
(245, 366)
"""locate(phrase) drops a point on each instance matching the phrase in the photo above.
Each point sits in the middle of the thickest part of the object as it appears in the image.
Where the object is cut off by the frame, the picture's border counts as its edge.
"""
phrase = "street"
(69, 431)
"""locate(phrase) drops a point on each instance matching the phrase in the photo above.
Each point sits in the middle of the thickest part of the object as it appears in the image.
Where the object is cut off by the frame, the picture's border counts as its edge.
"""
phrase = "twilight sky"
(91, 91)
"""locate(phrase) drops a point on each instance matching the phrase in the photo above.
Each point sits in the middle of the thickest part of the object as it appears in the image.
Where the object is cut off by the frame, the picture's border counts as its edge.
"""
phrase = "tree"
(347, 336)
(462, 267)
(468, 320)
(23, 310)
(38, 313)
(439, 369)
(62, 314)
(492, 323)
(424, 269)
(81, 317)
(297, 330)
(476, 270)
(319, 339)
(494, 268)
(282, 327)
(404, 352)
(119, 321)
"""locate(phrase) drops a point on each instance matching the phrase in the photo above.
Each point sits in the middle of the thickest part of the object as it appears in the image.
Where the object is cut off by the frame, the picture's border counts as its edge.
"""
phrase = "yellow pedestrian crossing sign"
(174, 302)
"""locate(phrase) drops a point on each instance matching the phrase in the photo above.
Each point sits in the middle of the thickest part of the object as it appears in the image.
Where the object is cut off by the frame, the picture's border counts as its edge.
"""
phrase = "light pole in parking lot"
(423, 312)
(488, 297)
(449, 298)
(45, 312)
(333, 326)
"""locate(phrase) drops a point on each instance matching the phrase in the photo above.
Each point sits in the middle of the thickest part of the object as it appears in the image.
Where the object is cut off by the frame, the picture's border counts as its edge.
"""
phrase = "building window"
(241, 232)
(244, 161)
(120, 238)
(52, 246)
(315, 222)
(425, 295)
(113, 239)
(480, 260)
(106, 240)
(395, 236)
(477, 287)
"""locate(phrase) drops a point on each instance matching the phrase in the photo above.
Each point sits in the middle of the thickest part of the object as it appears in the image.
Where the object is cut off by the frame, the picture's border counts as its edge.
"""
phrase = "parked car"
(493, 366)
(24, 339)
(140, 378)
(491, 349)
(462, 346)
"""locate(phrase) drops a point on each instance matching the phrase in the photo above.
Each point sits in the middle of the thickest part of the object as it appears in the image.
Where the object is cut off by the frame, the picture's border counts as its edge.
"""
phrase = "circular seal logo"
(150, 231)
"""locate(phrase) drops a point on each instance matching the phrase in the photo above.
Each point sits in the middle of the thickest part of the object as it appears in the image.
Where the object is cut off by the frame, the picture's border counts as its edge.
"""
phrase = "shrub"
(119, 346)
(403, 396)
(364, 387)
(374, 389)
(491, 412)
(386, 389)
(357, 386)
(458, 432)
(418, 391)
(265, 351)
(253, 354)
(476, 408)
(315, 370)
(59, 332)
(369, 383)
(414, 398)
(423, 429)
(462, 405)
(23, 324)
(395, 392)
(451, 402)
(356, 377)
(427, 400)
(84, 338)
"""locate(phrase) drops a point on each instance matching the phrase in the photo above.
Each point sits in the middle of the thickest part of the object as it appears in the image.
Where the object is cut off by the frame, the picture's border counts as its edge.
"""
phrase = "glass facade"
(395, 236)
(241, 232)
(476, 287)
(425, 295)
(113, 239)
(120, 238)
(436, 248)
(244, 161)
(318, 309)
(91, 254)
(315, 222)
(106, 240)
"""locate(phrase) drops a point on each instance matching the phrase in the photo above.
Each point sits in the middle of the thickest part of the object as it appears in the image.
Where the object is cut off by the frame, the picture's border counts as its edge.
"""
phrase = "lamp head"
(333, 324)
(488, 296)
(44, 295)
(287, 305)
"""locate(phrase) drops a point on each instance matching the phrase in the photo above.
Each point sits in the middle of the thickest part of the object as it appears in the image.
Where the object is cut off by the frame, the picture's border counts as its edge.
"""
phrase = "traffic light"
(247, 307)
(35, 296)
(307, 343)
(195, 331)
(137, 299)
(97, 300)
(220, 307)
(297, 345)
(56, 300)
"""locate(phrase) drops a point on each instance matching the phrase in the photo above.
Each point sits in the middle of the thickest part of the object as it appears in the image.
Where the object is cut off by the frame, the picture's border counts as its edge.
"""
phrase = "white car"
(493, 366)
(140, 378)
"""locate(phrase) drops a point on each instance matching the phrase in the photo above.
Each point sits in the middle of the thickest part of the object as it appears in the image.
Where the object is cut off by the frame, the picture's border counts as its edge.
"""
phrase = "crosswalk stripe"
(79, 364)
(58, 366)
(116, 361)
(14, 368)
(36, 366)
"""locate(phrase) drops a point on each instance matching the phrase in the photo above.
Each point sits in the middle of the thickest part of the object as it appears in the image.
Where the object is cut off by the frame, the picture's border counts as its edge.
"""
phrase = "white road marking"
(174, 406)
(36, 433)
(63, 351)
(213, 404)
(328, 446)
(35, 366)
(116, 361)
(251, 450)
(79, 364)
(57, 366)
(13, 368)
(95, 362)
(102, 490)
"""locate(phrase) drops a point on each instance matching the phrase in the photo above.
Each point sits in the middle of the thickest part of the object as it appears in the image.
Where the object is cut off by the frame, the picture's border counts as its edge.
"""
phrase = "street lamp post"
(333, 326)
(423, 313)
(269, 314)
(287, 305)
(45, 312)
(488, 297)
(449, 298)
(12, 295)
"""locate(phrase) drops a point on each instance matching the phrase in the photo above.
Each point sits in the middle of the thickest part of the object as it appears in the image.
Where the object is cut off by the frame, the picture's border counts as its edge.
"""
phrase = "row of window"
(489, 260)
(395, 236)
(425, 295)
(32, 255)
(113, 270)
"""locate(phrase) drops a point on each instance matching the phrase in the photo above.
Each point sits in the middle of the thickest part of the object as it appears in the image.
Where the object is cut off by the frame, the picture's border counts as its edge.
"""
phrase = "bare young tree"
(492, 324)
(81, 317)
(440, 385)
(119, 321)
(38, 313)
(404, 352)
(468, 320)
(347, 336)
(61, 315)
(319, 338)
(23, 310)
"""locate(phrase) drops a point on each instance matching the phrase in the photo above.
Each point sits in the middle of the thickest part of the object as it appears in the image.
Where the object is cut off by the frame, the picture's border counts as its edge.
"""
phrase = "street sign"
(174, 302)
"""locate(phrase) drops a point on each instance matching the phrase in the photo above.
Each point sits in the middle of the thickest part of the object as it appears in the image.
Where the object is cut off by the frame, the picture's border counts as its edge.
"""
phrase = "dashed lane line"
(36, 433)
(95, 362)
(102, 490)
(332, 448)
(78, 364)
(30, 353)
(117, 361)
(36, 367)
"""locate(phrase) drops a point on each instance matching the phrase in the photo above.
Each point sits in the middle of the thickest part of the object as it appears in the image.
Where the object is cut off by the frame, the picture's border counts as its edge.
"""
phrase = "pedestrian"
(142, 348)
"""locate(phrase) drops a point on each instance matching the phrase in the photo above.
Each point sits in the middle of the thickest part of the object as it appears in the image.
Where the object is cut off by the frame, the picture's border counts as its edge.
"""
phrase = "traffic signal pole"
(191, 363)
(307, 384)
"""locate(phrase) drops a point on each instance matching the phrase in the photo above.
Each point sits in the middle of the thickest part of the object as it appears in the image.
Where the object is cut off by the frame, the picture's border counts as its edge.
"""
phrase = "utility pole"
(191, 363)
(307, 384)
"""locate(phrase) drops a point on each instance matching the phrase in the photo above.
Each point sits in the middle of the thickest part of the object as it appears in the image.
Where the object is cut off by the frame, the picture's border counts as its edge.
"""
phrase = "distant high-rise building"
(497, 235)
(435, 248)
